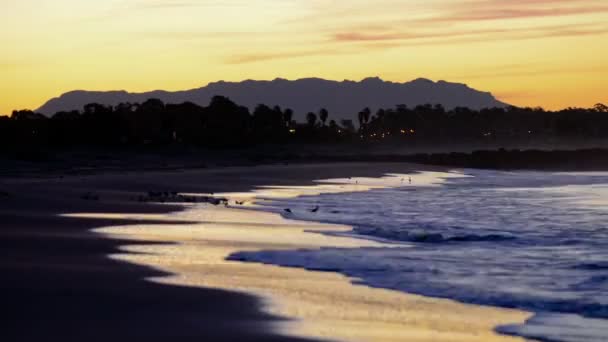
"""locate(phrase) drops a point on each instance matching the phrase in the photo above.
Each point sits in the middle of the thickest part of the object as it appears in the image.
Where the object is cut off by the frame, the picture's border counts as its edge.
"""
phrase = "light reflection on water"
(530, 240)
(329, 306)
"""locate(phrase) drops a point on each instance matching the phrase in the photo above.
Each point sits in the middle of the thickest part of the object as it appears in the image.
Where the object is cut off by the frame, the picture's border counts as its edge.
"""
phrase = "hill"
(342, 99)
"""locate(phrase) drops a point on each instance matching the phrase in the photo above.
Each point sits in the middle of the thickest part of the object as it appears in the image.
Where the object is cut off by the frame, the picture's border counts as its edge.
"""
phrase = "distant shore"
(59, 163)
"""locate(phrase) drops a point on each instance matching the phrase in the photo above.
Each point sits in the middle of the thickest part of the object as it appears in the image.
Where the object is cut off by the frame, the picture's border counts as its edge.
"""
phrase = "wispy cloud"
(514, 13)
(491, 34)
(261, 57)
(360, 42)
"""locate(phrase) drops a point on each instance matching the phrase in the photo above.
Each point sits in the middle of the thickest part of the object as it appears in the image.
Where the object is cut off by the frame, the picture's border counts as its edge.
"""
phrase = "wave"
(414, 235)
(531, 241)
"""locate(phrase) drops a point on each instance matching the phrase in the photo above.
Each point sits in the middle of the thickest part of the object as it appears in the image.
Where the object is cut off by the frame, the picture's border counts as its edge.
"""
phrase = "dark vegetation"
(226, 124)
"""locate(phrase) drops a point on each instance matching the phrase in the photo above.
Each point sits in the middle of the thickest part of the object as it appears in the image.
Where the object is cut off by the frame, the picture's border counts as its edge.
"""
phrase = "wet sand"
(61, 283)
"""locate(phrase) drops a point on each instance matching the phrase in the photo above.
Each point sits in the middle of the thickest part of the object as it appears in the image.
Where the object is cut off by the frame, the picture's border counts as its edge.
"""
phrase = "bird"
(240, 202)
(410, 179)
(315, 209)
(287, 210)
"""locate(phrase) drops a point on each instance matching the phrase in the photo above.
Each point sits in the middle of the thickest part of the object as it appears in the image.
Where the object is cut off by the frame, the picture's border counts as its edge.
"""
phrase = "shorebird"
(315, 209)
(287, 210)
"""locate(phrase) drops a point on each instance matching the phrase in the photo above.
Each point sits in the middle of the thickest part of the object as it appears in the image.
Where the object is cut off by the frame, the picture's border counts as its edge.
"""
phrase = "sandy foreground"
(319, 304)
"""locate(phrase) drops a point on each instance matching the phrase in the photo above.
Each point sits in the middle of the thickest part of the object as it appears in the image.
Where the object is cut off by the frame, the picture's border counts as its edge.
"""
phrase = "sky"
(549, 53)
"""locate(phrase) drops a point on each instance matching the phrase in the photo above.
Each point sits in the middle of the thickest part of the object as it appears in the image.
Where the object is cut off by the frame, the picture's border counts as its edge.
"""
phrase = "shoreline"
(59, 282)
(67, 288)
(319, 304)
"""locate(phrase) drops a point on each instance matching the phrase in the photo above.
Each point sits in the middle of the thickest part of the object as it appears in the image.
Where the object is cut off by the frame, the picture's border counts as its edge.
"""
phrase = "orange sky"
(550, 53)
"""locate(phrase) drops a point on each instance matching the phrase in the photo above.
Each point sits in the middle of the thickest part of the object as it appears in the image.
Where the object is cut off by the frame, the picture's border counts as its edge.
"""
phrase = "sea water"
(529, 240)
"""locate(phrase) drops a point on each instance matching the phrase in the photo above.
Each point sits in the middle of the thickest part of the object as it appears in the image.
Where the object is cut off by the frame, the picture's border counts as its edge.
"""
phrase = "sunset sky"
(550, 53)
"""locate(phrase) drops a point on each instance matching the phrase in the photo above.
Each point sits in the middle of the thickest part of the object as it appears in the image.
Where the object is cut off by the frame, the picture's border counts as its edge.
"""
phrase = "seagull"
(315, 209)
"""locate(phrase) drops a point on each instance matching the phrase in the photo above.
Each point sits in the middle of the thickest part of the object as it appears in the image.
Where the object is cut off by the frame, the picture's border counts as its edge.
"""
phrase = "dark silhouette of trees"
(186, 122)
(348, 126)
(600, 107)
(311, 119)
(323, 115)
(224, 123)
(288, 116)
(269, 124)
(363, 117)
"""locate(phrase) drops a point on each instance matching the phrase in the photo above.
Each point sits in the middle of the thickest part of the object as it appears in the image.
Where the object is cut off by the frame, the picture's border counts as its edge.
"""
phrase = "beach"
(88, 260)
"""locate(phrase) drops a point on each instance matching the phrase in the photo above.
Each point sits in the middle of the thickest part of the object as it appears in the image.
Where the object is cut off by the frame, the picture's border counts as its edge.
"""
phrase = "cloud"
(496, 34)
(260, 57)
(514, 13)
(359, 42)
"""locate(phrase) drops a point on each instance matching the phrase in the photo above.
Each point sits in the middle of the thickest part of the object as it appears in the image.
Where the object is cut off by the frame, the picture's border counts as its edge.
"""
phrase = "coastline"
(304, 295)
(321, 305)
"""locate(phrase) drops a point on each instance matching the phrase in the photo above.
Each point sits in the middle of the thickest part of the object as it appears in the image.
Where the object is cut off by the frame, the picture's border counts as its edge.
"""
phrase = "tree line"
(224, 123)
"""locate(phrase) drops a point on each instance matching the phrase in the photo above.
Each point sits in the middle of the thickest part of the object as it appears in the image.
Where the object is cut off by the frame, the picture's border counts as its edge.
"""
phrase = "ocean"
(536, 241)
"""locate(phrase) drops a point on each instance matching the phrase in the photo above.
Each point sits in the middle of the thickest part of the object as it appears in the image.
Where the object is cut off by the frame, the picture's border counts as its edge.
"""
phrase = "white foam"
(561, 328)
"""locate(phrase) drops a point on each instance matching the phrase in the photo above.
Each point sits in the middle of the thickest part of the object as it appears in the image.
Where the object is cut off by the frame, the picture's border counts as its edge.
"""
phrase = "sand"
(320, 304)
(68, 274)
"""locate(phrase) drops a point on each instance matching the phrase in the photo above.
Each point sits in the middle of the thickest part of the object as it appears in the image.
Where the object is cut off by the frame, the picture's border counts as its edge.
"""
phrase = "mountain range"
(343, 99)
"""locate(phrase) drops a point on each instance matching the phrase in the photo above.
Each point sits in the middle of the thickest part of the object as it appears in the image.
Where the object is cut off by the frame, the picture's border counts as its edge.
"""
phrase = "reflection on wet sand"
(321, 304)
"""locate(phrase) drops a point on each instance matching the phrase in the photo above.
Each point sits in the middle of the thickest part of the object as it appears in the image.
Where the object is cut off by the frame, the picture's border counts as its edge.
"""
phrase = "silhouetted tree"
(364, 117)
(600, 107)
(185, 122)
(224, 123)
(288, 116)
(23, 115)
(268, 124)
(147, 122)
(323, 115)
(311, 119)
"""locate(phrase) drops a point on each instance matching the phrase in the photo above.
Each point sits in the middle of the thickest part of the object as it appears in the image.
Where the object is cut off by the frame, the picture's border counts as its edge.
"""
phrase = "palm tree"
(366, 114)
(288, 116)
(364, 117)
(311, 119)
(323, 115)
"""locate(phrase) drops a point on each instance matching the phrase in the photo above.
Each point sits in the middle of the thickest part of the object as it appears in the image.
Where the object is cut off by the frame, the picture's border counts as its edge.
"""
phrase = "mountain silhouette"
(343, 99)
